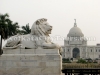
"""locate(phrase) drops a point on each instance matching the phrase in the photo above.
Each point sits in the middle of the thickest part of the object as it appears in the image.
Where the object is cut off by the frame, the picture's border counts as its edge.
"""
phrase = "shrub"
(81, 61)
(95, 61)
(89, 60)
(66, 60)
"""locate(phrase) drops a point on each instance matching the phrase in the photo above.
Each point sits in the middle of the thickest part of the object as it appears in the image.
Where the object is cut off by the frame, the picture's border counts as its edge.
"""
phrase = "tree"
(26, 29)
(3, 28)
(13, 28)
(7, 28)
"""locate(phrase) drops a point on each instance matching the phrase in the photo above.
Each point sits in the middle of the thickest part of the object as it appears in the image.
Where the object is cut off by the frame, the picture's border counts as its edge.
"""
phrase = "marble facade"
(75, 46)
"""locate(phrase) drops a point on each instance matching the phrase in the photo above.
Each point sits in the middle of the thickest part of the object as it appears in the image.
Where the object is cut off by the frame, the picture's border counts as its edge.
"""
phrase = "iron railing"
(81, 71)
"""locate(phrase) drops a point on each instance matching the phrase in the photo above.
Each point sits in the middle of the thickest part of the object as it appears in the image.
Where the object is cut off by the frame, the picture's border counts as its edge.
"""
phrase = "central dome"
(75, 32)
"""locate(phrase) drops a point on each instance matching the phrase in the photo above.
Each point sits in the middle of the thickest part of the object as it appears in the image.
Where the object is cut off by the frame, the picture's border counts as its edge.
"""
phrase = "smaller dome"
(75, 31)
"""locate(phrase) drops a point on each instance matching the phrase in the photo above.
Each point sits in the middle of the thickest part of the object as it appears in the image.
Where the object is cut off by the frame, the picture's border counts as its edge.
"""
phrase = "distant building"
(75, 45)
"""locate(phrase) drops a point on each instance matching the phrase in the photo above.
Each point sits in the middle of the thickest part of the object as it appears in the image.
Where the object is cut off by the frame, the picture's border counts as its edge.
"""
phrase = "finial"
(75, 23)
(75, 20)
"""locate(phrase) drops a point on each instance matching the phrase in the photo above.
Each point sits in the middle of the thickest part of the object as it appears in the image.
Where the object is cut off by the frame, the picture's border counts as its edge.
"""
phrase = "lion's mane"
(38, 28)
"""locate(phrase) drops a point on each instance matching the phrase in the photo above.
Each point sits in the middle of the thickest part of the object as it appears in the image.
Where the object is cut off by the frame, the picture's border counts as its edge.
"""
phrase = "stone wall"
(30, 62)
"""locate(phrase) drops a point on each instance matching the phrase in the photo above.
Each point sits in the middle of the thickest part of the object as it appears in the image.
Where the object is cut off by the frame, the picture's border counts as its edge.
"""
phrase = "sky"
(60, 14)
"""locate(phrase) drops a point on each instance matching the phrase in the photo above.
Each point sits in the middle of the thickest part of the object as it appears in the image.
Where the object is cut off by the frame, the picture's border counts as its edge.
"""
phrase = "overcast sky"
(60, 14)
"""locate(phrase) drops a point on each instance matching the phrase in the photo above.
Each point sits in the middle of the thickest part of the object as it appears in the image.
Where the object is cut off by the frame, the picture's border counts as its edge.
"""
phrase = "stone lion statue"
(38, 38)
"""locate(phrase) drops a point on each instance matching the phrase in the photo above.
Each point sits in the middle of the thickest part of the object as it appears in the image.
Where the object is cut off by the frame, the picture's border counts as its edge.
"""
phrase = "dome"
(75, 32)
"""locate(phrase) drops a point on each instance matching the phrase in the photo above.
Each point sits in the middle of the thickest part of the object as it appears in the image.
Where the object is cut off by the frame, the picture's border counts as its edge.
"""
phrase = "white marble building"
(75, 45)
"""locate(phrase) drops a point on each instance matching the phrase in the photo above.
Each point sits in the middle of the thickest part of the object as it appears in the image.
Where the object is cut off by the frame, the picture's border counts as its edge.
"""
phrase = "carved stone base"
(30, 62)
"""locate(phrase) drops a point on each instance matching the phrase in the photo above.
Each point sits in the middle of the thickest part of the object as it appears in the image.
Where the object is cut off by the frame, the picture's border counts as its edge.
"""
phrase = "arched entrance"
(76, 53)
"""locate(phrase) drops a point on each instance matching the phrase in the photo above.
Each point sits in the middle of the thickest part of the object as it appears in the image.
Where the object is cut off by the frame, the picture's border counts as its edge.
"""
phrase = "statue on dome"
(75, 25)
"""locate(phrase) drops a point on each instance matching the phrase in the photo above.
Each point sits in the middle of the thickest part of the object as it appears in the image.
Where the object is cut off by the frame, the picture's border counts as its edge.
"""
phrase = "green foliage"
(66, 60)
(89, 60)
(7, 28)
(3, 28)
(25, 29)
(81, 61)
(95, 61)
(13, 28)
(3, 25)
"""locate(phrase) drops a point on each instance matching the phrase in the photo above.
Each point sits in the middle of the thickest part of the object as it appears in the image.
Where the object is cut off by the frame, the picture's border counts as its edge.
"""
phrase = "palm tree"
(3, 28)
(13, 28)
(7, 28)
(26, 29)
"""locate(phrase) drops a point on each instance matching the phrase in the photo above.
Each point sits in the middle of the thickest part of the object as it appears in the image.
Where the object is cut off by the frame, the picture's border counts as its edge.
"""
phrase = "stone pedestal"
(30, 62)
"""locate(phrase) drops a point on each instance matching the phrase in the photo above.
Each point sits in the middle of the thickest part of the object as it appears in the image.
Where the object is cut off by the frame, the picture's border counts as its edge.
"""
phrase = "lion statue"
(38, 38)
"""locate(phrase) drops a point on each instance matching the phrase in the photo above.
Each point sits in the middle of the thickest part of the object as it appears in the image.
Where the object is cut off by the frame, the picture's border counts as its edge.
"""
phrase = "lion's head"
(41, 27)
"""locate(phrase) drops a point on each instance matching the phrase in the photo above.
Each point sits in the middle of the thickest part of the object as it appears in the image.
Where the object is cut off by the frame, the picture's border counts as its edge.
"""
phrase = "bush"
(81, 61)
(66, 60)
(89, 60)
(95, 61)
